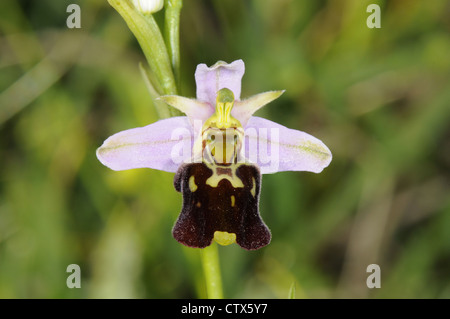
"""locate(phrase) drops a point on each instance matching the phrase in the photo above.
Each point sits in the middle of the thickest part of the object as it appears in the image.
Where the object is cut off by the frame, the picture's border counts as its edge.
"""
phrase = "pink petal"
(276, 148)
(163, 145)
(221, 75)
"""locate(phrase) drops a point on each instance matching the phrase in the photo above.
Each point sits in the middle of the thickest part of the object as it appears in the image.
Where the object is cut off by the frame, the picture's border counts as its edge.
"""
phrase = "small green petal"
(243, 110)
(193, 108)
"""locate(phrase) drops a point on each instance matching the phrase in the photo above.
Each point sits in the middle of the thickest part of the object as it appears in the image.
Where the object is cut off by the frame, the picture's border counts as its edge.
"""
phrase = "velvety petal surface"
(277, 148)
(221, 75)
(162, 145)
(208, 208)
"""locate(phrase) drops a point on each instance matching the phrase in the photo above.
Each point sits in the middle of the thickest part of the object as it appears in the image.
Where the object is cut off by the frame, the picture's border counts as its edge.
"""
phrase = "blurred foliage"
(379, 98)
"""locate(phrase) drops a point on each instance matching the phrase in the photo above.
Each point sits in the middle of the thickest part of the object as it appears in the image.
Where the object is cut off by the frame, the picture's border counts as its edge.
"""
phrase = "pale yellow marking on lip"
(233, 200)
(224, 238)
(192, 186)
(253, 190)
(215, 178)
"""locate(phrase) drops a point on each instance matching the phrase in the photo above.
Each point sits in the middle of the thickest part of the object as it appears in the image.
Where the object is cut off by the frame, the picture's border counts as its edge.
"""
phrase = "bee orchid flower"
(218, 151)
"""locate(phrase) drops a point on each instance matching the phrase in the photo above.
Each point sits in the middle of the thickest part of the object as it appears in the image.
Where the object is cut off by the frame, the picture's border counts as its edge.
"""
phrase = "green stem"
(147, 32)
(172, 34)
(209, 255)
(211, 268)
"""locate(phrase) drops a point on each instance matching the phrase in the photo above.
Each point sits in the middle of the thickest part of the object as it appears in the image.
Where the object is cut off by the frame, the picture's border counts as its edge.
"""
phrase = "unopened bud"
(148, 6)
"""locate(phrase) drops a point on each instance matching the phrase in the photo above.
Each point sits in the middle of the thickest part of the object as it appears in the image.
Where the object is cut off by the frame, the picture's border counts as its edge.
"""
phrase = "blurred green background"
(379, 98)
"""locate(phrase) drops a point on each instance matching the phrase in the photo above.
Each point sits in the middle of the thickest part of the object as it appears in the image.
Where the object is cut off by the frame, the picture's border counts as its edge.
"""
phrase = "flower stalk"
(172, 35)
(211, 269)
(148, 34)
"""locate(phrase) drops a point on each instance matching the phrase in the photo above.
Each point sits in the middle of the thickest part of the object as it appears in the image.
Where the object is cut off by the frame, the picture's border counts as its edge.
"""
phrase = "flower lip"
(215, 208)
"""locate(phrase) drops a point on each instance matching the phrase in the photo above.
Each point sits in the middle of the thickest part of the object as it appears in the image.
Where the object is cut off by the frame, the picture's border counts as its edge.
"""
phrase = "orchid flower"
(219, 151)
